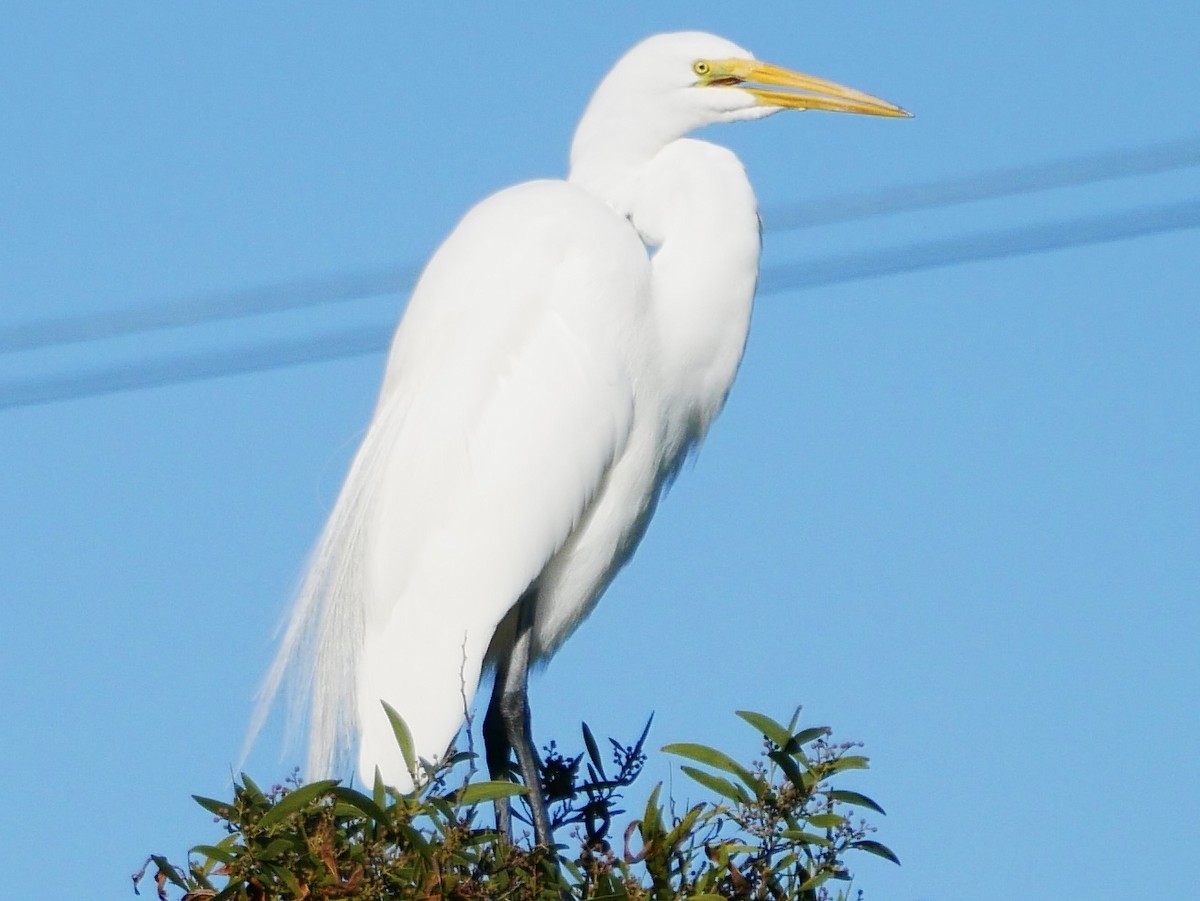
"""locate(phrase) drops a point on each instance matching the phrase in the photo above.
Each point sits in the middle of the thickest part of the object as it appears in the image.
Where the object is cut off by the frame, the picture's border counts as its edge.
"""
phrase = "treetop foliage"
(776, 829)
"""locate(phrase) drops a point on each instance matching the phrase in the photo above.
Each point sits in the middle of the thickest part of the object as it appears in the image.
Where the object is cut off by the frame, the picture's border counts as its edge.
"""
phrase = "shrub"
(776, 829)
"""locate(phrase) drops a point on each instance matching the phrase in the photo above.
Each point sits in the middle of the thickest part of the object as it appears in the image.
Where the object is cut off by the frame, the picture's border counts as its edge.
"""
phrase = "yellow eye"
(701, 67)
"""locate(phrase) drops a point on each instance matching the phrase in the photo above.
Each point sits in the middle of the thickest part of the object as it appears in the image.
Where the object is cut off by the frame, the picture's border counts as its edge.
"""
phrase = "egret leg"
(506, 727)
(499, 751)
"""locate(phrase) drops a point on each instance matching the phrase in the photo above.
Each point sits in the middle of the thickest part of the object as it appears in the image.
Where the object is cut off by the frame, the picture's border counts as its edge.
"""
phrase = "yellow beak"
(806, 91)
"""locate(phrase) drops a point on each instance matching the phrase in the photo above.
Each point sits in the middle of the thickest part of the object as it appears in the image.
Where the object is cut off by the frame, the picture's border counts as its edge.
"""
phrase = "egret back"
(507, 395)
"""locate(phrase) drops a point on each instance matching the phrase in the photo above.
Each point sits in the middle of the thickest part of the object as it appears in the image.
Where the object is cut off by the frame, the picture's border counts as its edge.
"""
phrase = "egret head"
(671, 84)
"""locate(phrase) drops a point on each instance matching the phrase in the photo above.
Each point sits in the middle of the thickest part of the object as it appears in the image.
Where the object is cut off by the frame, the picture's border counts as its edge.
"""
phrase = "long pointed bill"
(805, 91)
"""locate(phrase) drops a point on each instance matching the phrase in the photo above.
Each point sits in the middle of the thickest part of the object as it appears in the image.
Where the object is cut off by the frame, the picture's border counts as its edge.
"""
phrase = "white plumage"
(563, 351)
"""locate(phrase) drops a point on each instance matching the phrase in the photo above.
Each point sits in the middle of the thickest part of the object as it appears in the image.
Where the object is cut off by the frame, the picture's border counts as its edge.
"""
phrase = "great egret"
(564, 350)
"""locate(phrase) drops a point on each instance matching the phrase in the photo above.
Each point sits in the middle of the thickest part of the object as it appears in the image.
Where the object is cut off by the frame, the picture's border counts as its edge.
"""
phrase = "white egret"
(564, 350)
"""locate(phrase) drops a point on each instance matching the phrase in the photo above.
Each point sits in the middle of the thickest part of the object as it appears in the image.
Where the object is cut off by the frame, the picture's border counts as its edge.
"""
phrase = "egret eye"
(701, 68)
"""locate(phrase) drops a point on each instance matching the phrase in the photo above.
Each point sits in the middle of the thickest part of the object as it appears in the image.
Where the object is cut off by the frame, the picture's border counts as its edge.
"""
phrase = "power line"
(989, 245)
(1006, 182)
(988, 185)
(199, 365)
(223, 305)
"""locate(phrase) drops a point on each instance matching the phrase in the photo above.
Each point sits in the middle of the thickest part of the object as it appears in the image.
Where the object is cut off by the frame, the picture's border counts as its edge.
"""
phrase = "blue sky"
(954, 513)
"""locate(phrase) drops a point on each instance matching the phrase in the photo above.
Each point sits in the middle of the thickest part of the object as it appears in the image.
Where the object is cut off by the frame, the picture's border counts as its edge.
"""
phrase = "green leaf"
(284, 875)
(165, 867)
(445, 806)
(718, 760)
(295, 800)
(379, 790)
(803, 737)
(212, 852)
(403, 738)
(359, 802)
(477, 792)
(652, 819)
(593, 750)
(200, 876)
(767, 726)
(637, 746)
(414, 839)
(806, 838)
(721, 786)
(850, 762)
(849, 797)
(877, 849)
(826, 820)
(803, 781)
(222, 809)
(255, 793)
(277, 848)
(815, 882)
(684, 827)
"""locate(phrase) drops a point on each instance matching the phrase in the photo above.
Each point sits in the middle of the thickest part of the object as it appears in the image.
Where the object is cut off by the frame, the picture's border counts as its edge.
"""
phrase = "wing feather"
(507, 396)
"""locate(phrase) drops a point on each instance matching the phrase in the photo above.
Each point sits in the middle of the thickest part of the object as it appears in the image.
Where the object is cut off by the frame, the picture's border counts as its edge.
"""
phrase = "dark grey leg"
(499, 751)
(507, 726)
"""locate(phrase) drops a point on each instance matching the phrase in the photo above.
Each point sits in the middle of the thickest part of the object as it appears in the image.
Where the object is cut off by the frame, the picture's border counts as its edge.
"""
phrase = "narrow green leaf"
(221, 809)
(288, 878)
(721, 786)
(165, 867)
(379, 790)
(637, 745)
(295, 800)
(849, 797)
(593, 750)
(252, 788)
(359, 802)
(788, 860)
(803, 737)
(806, 838)
(718, 760)
(403, 738)
(825, 820)
(877, 849)
(477, 792)
(684, 827)
(414, 839)
(445, 806)
(815, 882)
(277, 848)
(212, 852)
(801, 780)
(652, 819)
(200, 877)
(772, 730)
(850, 762)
